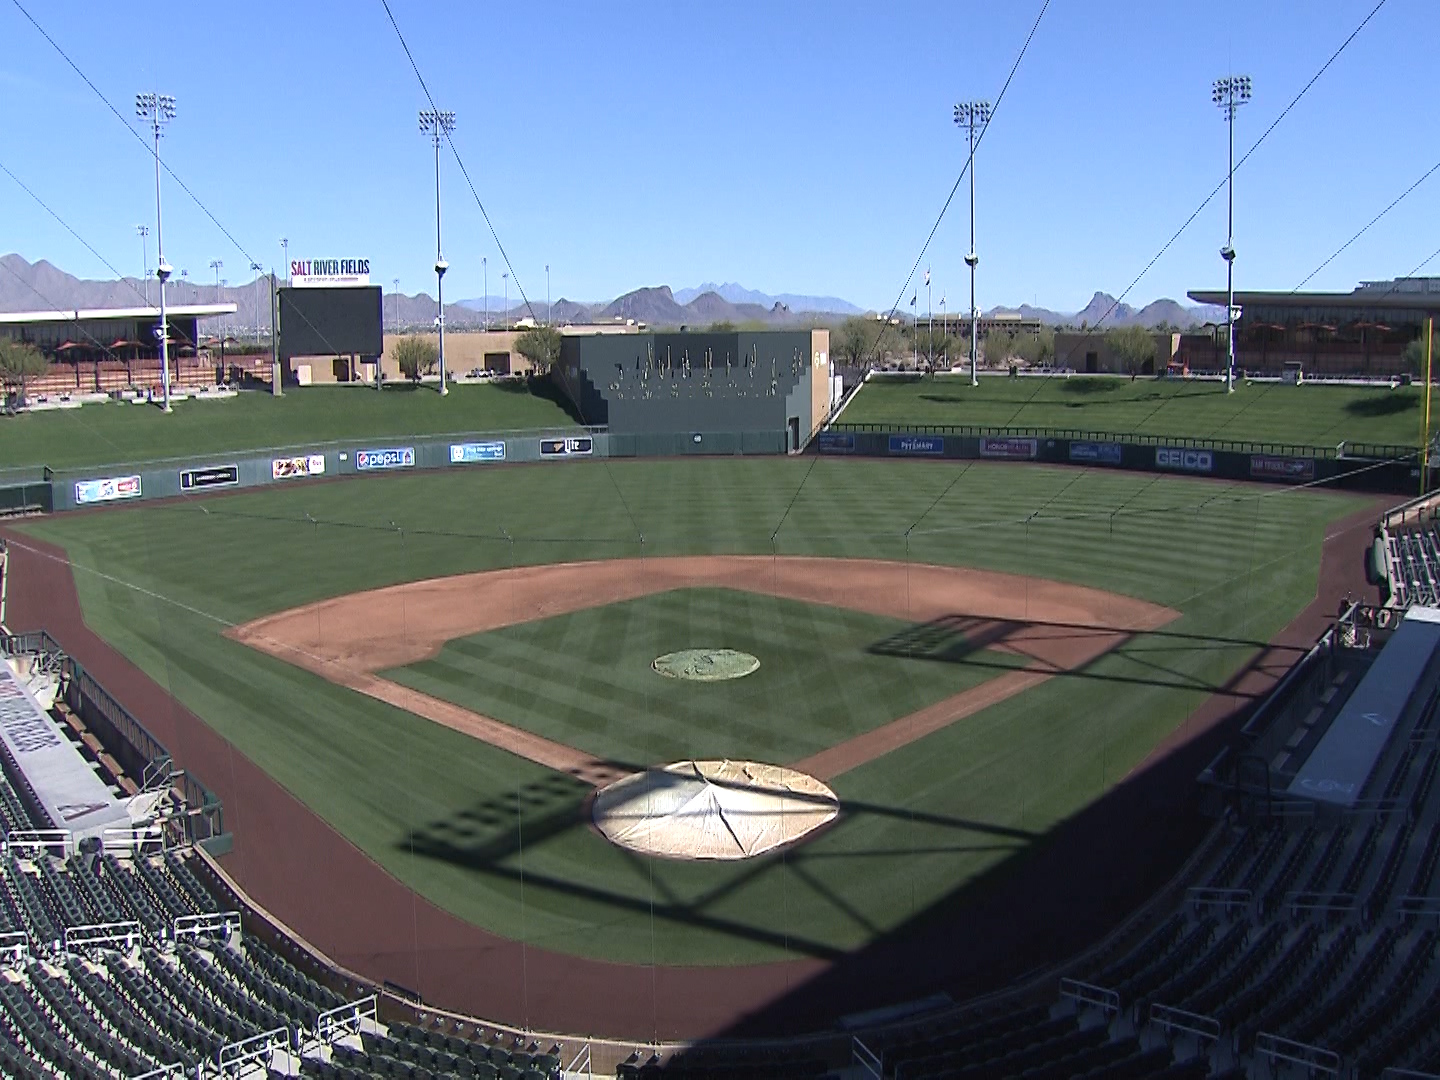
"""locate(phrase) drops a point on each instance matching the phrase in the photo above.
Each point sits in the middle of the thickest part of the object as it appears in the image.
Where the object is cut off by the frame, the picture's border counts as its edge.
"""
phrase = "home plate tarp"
(712, 809)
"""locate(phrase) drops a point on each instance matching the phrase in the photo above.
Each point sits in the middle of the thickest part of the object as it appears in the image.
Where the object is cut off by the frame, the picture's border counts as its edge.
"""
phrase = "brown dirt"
(1090, 874)
(346, 639)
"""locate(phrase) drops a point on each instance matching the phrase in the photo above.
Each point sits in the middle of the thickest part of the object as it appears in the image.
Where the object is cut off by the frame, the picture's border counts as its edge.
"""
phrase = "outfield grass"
(121, 432)
(463, 822)
(1256, 412)
(585, 679)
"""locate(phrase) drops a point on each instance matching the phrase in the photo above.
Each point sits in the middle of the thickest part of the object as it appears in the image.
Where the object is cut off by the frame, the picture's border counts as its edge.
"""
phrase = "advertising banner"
(1269, 467)
(107, 490)
(1010, 449)
(211, 477)
(393, 457)
(575, 446)
(835, 442)
(1175, 457)
(289, 468)
(1098, 453)
(470, 452)
(917, 444)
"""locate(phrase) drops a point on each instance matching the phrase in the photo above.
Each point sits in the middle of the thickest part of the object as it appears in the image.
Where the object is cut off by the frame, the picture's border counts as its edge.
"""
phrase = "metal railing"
(1343, 450)
(206, 924)
(1083, 993)
(102, 935)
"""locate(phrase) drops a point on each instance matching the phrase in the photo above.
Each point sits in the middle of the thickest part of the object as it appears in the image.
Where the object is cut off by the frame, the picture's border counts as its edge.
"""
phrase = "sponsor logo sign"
(107, 490)
(1269, 467)
(574, 446)
(470, 452)
(210, 477)
(288, 468)
(393, 457)
(835, 442)
(1175, 457)
(917, 444)
(1011, 449)
(1100, 453)
(328, 273)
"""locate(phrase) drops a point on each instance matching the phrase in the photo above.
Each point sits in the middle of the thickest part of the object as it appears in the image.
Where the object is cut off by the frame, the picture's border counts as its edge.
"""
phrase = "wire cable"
(456, 151)
(969, 160)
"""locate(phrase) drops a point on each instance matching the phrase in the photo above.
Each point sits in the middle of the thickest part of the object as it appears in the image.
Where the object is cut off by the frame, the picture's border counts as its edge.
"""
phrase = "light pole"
(547, 294)
(506, 313)
(485, 288)
(159, 109)
(255, 268)
(970, 115)
(144, 231)
(396, 283)
(930, 314)
(1230, 93)
(215, 266)
(438, 124)
(285, 253)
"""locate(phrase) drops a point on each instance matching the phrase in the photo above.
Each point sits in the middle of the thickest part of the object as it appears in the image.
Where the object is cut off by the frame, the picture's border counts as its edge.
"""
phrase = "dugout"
(768, 390)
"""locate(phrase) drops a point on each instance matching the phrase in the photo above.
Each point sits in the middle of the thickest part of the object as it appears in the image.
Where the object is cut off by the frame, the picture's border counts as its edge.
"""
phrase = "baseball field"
(968, 654)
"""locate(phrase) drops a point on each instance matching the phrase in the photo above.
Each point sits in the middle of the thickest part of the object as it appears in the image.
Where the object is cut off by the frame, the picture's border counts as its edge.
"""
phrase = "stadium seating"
(1414, 556)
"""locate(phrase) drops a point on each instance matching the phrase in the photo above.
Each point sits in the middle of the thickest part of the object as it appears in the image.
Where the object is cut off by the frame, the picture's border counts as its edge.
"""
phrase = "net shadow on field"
(962, 639)
(491, 837)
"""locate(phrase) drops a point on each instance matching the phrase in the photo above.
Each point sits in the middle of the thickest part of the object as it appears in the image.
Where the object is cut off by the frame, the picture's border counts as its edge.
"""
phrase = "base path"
(1058, 627)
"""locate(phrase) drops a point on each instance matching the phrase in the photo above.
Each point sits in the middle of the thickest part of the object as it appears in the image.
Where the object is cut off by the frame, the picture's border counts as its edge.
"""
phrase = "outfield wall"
(1375, 470)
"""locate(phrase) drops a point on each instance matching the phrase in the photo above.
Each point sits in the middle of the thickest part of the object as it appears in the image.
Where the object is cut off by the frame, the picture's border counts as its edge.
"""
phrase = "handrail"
(233, 1058)
(1312, 1057)
(207, 923)
(1172, 1019)
(1367, 451)
(102, 934)
(1089, 994)
(862, 1057)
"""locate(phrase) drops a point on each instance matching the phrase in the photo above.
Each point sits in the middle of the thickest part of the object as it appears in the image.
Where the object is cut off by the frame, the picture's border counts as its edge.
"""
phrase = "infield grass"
(119, 432)
(1255, 412)
(504, 843)
(584, 679)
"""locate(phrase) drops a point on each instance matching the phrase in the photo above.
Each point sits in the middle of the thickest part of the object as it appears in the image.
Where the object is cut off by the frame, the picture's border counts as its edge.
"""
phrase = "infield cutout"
(706, 665)
(712, 809)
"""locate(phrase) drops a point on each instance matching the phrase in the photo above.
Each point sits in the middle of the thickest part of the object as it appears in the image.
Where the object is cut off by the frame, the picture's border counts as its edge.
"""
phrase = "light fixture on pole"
(255, 268)
(144, 231)
(438, 124)
(285, 252)
(159, 110)
(971, 115)
(1230, 93)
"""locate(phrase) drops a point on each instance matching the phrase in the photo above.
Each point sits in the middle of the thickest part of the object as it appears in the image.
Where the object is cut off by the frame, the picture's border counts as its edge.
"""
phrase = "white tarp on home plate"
(65, 784)
(712, 809)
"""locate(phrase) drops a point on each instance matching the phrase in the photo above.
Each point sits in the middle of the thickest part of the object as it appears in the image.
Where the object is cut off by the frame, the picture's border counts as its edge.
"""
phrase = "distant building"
(1362, 332)
(1090, 353)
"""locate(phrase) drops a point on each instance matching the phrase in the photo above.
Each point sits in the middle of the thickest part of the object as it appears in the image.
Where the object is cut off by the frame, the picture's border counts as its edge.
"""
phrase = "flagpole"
(1425, 440)
(930, 314)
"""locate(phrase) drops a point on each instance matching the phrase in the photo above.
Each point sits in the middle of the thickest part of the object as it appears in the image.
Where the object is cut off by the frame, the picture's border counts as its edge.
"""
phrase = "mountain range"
(26, 286)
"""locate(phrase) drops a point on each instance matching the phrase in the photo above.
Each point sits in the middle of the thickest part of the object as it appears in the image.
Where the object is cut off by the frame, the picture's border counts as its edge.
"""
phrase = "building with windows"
(1362, 332)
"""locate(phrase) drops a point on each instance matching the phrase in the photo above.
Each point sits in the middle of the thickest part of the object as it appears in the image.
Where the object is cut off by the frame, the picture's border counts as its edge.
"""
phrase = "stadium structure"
(1300, 936)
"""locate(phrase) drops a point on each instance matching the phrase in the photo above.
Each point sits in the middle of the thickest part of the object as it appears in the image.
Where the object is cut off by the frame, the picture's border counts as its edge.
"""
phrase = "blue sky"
(791, 146)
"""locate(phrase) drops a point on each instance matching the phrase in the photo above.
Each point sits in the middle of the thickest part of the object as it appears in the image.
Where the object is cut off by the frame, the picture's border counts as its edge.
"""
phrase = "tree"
(853, 340)
(1036, 349)
(416, 356)
(1414, 356)
(541, 346)
(999, 346)
(18, 361)
(723, 326)
(1132, 346)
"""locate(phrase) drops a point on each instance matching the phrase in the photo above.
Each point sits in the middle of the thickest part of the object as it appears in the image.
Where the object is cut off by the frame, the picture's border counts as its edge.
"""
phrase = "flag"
(927, 277)
(942, 299)
(912, 300)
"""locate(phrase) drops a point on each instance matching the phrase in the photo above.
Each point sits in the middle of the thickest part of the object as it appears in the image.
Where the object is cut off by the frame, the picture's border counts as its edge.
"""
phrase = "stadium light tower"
(144, 231)
(438, 124)
(971, 115)
(159, 110)
(285, 254)
(255, 269)
(1230, 93)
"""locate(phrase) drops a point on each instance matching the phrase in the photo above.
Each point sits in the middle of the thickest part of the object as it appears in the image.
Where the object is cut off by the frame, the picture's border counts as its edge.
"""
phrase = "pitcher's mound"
(706, 665)
(712, 809)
